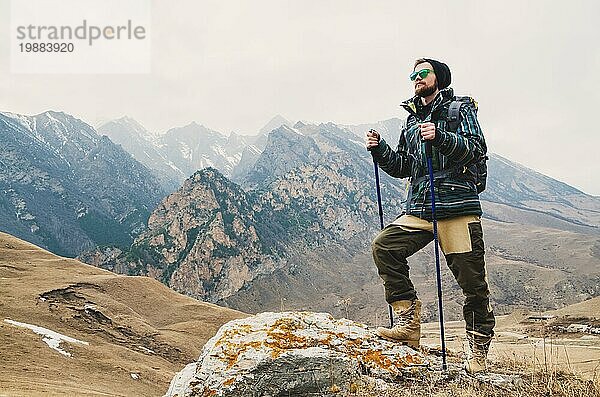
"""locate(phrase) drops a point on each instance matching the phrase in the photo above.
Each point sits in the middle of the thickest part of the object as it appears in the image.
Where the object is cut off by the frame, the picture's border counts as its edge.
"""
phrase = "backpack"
(452, 123)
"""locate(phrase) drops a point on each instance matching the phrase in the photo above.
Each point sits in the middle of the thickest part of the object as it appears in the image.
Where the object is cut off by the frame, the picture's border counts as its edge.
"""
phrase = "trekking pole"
(429, 154)
(390, 311)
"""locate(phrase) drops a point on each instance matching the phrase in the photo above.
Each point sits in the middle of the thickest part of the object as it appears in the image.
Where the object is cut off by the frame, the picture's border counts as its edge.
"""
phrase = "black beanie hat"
(442, 72)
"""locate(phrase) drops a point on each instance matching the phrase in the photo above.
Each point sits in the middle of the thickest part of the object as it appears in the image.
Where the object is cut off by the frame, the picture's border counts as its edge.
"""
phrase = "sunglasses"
(421, 73)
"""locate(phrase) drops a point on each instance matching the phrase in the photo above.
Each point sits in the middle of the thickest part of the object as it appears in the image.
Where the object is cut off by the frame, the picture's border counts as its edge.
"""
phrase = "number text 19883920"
(46, 47)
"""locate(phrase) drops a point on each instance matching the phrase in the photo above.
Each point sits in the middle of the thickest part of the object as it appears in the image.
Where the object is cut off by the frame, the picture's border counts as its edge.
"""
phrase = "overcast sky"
(232, 65)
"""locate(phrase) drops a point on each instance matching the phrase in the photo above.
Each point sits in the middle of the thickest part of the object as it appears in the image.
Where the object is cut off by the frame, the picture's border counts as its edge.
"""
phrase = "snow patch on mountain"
(52, 338)
(186, 152)
(233, 160)
(24, 121)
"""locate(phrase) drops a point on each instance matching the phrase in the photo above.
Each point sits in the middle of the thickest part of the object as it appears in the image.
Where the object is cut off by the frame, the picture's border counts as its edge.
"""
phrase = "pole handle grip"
(372, 130)
(428, 149)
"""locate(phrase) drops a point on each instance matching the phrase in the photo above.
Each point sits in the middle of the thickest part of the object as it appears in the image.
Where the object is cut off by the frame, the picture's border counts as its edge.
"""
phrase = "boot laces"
(406, 317)
(479, 346)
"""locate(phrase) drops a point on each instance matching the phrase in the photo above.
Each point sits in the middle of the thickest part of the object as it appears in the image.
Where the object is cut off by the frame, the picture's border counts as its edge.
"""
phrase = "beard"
(425, 90)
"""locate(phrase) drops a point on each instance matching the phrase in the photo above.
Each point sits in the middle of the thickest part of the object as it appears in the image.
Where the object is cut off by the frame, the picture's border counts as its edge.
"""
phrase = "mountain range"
(179, 152)
(284, 219)
(67, 188)
(323, 175)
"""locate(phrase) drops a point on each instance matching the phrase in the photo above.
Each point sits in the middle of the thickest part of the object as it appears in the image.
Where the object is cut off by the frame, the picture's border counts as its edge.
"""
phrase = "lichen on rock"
(295, 353)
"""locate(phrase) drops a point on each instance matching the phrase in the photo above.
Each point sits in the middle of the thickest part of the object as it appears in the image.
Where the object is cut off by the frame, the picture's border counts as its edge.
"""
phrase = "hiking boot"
(407, 328)
(479, 344)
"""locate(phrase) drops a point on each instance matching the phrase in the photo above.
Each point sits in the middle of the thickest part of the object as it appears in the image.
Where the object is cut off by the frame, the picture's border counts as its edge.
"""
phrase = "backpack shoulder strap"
(453, 121)
(454, 115)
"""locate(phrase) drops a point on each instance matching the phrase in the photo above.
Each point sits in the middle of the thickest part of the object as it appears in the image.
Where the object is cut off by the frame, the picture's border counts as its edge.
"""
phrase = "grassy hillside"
(139, 333)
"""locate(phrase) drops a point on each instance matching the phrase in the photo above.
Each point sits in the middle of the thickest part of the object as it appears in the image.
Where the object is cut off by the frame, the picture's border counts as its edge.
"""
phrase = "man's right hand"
(372, 139)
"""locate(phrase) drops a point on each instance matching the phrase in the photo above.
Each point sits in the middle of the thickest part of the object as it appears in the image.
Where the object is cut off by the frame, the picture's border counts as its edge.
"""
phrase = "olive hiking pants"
(394, 245)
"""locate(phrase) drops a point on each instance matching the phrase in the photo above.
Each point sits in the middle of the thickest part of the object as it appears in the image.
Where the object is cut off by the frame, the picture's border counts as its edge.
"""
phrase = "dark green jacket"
(455, 194)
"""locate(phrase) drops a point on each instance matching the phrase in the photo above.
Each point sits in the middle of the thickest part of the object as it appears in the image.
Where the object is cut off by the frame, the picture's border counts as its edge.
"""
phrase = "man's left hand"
(427, 131)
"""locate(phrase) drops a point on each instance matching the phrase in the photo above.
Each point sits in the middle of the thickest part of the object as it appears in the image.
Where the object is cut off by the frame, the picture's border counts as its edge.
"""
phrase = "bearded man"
(456, 153)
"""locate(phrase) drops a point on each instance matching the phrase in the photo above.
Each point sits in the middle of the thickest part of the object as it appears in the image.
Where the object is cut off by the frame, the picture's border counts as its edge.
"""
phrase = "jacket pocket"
(457, 186)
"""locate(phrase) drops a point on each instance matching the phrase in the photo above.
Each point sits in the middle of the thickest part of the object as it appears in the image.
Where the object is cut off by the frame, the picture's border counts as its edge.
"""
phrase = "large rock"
(293, 353)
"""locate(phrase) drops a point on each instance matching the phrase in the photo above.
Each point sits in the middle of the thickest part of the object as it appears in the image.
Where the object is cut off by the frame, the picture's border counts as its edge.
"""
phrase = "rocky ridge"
(67, 188)
(209, 239)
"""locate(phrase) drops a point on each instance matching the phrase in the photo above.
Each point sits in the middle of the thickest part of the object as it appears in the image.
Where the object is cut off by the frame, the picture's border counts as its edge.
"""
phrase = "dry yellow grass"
(531, 383)
(563, 385)
(120, 317)
(533, 343)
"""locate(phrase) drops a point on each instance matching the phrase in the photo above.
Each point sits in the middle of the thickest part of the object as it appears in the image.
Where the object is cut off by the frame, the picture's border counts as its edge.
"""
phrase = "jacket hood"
(410, 105)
